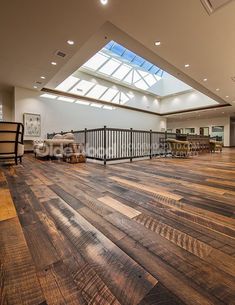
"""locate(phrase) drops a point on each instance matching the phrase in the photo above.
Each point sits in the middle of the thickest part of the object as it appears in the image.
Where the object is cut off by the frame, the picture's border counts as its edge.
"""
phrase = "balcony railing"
(111, 144)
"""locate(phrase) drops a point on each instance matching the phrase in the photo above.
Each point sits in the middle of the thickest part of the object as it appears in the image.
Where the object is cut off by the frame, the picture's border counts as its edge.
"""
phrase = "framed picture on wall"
(32, 125)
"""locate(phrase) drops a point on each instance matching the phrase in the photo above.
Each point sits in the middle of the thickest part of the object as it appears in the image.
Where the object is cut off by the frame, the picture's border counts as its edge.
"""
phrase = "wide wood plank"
(120, 207)
(158, 231)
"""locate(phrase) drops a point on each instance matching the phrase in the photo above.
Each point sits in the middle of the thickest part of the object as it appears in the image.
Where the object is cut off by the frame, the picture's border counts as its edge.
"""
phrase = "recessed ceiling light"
(187, 65)
(82, 102)
(96, 105)
(205, 79)
(70, 42)
(227, 96)
(35, 87)
(43, 77)
(157, 43)
(222, 112)
(217, 89)
(53, 63)
(103, 2)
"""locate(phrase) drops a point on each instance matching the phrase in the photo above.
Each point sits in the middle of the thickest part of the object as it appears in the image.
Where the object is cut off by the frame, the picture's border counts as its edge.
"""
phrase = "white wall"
(209, 122)
(61, 116)
(190, 100)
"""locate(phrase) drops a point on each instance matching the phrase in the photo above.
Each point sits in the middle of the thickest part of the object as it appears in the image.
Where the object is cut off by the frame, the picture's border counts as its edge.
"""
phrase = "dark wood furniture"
(11, 141)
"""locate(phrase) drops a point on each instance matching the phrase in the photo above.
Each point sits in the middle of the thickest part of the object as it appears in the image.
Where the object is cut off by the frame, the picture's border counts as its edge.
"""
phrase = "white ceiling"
(31, 32)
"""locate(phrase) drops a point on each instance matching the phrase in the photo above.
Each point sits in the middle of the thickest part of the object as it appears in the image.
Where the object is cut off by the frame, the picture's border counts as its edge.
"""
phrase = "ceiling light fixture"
(103, 2)
(227, 96)
(35, 87)
(187, 66)
(217, 89)
(53, 63)
(205, 79)
(43, 77)
(157, 43)
(70, 42)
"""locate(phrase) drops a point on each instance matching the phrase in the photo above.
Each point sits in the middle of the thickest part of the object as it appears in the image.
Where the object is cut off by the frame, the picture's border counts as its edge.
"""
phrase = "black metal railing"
(111, 144)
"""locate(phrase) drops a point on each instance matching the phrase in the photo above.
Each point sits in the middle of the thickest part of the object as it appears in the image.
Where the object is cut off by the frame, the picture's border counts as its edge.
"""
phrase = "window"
(218, 132)
(190, 130)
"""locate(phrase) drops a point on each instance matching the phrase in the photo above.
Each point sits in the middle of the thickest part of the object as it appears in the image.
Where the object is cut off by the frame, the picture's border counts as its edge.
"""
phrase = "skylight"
(96, 61)
(82, 87)
(132, 58)
(109, 94)
(118, 63)
(122, 71)
(97, 91)
(110, 66)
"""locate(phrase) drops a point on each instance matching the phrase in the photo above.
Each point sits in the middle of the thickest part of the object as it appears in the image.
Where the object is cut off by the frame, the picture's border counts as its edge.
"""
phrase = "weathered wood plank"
(120, 207)
(7, 208)
(21, 282)
(100, 252)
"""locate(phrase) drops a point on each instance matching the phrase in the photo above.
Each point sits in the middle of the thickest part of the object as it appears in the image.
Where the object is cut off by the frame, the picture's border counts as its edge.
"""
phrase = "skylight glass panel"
(138, 60)
(141, 85)
(50, 96)
(143, 73)
(122, 72)
(128, 55)
(136, 76)
(154, 69)
(150, 80)
(123, 98)
(117, 99)
(82, 87)
(118, 49)
(109, 45)
(129, 78)
(96, 61)
(97, 91)
(147, 65)
(68, 83)
(110, 66)
(109, 95)
(66, 99)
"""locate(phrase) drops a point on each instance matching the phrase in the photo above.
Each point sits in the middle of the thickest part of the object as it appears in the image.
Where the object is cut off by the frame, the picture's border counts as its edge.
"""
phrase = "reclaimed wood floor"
(159, 231)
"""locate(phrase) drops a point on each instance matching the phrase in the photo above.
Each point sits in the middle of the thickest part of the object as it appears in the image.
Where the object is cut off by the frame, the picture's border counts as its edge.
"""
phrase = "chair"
(11, 141)
(216, 146)
(179, 148)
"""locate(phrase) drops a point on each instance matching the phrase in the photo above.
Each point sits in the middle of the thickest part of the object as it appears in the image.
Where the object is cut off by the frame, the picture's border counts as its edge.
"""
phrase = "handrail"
(110, 144)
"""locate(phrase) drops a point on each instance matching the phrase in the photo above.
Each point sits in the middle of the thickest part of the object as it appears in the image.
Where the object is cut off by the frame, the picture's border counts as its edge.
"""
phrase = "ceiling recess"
(60, 53)
(213, 5)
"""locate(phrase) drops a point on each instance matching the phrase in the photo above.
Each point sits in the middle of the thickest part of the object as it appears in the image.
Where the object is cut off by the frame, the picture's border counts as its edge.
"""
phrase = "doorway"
(204, 131)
